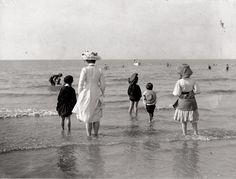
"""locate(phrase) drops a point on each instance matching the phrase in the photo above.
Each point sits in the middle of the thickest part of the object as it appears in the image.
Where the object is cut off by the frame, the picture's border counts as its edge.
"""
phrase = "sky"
(118, 29)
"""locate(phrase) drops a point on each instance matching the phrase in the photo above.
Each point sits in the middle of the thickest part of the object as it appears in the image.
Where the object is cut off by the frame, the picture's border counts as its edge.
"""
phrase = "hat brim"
(91, 58)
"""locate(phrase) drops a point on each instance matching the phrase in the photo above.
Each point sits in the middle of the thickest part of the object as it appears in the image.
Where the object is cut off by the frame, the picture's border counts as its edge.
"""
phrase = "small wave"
(216, 79)
(117, 95)
(40, 86)
(124, 135)
(18, 113)
(119, 79)
(37, 147)
(5, 88)
(24, 148)
(116, 101)
(171, 136)
(25, 94)
(221, 91)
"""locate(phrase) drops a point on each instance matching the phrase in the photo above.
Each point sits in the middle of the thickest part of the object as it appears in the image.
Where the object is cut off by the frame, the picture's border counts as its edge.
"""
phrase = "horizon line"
(123, 59)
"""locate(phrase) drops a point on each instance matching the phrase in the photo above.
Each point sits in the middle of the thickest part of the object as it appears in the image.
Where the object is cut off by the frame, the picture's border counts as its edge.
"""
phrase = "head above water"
(133, 79)
(184, 71)
(68, 79)
(90, 57)
(149, 86)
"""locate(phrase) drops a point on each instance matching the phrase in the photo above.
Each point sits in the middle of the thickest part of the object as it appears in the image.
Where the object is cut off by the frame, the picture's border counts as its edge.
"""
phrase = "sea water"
(32, 140)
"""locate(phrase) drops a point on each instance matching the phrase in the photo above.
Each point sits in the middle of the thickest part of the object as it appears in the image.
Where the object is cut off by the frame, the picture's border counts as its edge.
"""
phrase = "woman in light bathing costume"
(186, 109)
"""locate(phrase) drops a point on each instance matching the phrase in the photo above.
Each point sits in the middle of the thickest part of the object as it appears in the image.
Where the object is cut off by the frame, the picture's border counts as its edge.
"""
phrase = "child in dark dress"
(134, 93)
(66, 101)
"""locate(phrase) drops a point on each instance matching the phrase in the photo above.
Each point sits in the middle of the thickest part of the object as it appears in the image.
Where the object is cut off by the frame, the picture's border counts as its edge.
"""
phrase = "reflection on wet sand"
(80, 161)
(66, 156)
(95, 161)
(66, 159)
(186, 160)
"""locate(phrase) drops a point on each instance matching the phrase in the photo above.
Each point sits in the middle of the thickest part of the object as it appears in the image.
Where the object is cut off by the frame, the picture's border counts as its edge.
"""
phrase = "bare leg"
(131, 107)
(184, 128)
(62, 122)
(136, 108)
(96, 126)
(195, 130)
(68, 123)
(88, 128)
(151, 117)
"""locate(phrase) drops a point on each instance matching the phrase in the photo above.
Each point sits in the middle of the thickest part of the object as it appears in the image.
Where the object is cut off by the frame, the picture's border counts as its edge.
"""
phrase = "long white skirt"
(88, 108)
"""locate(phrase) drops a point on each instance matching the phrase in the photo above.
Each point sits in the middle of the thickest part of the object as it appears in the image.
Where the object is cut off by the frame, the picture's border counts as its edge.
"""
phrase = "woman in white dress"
(186, 106)
(91, 89)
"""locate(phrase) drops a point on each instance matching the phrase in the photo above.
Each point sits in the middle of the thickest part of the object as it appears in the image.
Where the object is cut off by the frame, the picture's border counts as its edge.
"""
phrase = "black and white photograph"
(118, 89)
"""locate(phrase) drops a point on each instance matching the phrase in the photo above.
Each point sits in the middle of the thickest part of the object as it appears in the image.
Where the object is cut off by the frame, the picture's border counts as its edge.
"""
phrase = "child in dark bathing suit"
(134, 93)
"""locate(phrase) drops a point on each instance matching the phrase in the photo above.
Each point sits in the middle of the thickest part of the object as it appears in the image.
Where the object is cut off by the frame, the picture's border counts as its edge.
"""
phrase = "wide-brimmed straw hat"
(88, 55)
(184, 70)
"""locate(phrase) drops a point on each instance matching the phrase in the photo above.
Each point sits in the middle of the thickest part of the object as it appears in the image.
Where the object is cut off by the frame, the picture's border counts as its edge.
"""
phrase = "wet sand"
(36, 147)
(191, 159)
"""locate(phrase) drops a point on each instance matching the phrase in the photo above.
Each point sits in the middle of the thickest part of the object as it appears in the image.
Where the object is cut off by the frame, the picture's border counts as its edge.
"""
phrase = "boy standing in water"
(66, 101)
(134, 93)
(149, 100)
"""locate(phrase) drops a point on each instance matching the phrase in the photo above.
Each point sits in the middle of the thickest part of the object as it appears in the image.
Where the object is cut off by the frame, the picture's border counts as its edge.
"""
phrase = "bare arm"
(196, 88)
(177, 89)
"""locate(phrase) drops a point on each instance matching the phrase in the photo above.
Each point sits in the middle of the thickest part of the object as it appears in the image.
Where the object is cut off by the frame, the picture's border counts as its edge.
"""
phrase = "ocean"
(33, 145)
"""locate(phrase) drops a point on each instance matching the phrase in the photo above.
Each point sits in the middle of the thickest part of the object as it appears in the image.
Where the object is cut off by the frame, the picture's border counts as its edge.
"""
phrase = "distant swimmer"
(227, 67)
(222, 24)
(209, 67)
(106, 67)
(55, 79)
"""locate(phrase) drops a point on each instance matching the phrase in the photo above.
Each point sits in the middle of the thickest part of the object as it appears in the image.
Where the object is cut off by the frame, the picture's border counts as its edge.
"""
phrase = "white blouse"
(185, 85)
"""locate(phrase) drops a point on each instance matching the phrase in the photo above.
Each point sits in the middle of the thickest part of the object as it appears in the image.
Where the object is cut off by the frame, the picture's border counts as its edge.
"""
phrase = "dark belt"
(187, 95)
(186, 92)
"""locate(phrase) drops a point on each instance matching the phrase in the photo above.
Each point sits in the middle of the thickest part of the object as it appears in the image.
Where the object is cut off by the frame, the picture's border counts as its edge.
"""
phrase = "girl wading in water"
(186, 109)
